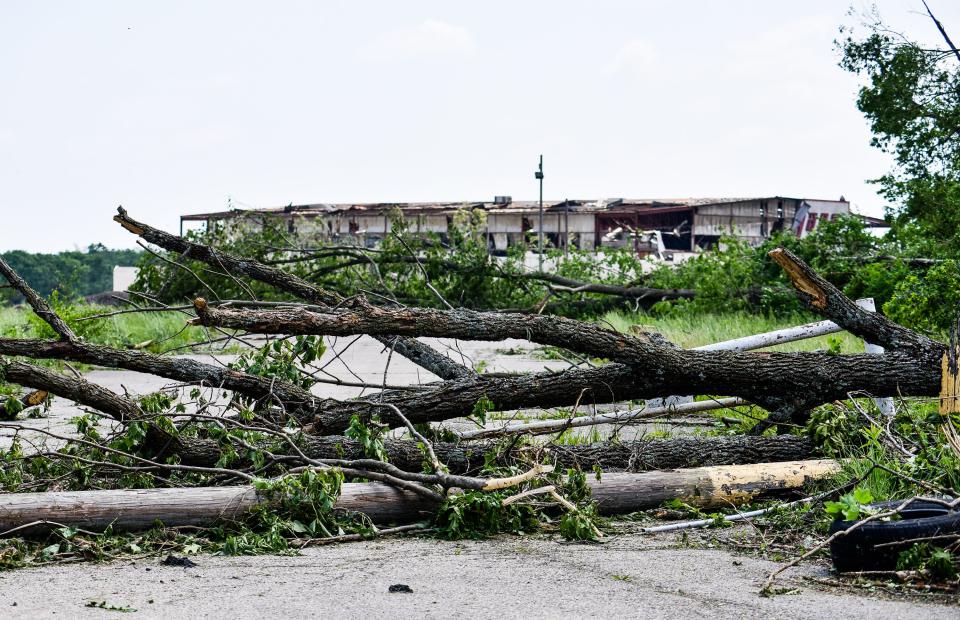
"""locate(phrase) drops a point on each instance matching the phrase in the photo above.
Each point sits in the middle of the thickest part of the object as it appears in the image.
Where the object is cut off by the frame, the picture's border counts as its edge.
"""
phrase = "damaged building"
(648, 226)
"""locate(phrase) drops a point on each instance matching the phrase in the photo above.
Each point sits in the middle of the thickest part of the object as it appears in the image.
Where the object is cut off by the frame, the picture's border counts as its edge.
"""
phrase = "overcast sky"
(175, 107)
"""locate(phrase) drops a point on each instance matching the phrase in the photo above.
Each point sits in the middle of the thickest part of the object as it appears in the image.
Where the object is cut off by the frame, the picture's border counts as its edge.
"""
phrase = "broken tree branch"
(417, 352)
(825, 299)
(38, 303)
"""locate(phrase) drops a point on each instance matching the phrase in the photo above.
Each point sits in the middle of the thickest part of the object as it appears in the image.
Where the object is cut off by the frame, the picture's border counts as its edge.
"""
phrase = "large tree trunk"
(468, 458)
(614, 494)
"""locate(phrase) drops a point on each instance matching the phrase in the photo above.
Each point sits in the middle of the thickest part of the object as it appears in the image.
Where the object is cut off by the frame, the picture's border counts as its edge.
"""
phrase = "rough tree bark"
(615, 493)
(646, 367)
(468, 458)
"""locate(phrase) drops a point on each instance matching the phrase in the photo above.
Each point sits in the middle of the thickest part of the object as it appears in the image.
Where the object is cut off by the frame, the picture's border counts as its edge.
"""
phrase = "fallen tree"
(259, 419)
(646, 368)
(469, 458)
(128, 509)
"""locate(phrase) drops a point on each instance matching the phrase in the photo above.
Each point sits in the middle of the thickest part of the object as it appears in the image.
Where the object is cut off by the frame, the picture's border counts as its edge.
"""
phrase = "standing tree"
(912, 100)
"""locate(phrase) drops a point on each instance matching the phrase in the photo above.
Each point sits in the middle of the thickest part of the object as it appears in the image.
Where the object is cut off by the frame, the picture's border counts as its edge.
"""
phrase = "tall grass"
(696, 330)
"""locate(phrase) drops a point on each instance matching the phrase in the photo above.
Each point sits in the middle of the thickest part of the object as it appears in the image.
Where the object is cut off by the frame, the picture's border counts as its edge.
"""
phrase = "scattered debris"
(173, 560)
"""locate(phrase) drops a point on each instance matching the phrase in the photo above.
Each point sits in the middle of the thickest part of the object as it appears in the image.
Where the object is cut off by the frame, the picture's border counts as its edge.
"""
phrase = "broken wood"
(34, 398)
(128, 509)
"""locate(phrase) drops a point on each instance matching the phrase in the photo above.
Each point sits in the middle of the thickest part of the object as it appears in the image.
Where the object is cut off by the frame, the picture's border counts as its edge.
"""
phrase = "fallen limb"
(464, 458)
(811, 378)
(417, 352)
(614, 493)
(814, 377)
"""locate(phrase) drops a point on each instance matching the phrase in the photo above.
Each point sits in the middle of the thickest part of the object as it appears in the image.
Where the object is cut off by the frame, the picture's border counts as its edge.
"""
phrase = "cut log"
(136, 509)
(705, 487)
(615, 493)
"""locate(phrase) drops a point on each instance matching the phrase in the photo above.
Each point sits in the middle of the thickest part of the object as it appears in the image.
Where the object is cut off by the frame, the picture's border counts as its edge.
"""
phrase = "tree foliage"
(911, 98)
(72, 273)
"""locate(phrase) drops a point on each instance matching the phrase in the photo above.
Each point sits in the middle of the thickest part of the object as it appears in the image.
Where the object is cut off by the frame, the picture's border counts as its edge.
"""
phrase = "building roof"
(515, 206)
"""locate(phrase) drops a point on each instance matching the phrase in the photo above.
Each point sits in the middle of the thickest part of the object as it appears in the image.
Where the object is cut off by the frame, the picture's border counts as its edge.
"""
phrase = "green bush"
(927, 301)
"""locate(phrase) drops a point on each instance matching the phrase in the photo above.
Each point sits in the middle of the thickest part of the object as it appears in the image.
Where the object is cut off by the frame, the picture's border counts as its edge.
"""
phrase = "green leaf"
(862, 495)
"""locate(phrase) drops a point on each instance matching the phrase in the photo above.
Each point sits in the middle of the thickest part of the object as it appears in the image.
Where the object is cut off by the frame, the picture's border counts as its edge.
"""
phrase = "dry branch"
(417, 352)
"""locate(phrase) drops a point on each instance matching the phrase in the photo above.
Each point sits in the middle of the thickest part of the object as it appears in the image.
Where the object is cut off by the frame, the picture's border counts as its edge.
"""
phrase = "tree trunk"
(614, 493)
(468, 458)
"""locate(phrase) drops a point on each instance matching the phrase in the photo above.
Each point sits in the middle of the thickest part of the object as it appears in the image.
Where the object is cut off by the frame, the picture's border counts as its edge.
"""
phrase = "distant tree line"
(74, 273)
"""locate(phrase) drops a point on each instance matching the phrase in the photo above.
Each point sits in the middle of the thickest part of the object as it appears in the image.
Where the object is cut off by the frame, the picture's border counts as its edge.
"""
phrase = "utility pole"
(539, 176)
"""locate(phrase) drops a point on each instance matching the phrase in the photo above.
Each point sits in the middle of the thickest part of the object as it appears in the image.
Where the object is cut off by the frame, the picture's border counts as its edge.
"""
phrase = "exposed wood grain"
(615, 493)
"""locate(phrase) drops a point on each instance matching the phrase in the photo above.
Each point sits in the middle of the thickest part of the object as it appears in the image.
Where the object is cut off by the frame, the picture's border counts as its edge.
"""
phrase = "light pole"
(539, 176)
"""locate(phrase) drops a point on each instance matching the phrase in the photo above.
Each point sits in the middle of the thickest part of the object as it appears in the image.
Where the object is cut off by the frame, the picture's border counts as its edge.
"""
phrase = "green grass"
(161, 329)
(697, 330)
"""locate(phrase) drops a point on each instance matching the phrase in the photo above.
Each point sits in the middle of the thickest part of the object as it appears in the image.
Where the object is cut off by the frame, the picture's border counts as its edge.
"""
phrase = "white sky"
(172, 107)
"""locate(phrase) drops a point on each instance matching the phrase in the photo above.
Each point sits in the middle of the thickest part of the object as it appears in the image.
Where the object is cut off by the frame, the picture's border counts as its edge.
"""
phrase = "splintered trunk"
(615, 493)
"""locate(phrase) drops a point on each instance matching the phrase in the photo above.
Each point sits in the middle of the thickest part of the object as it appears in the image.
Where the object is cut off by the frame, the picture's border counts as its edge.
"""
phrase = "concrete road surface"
(630, 576)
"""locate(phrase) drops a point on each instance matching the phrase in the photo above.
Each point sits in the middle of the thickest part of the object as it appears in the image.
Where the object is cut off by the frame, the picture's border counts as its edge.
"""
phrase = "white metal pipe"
(783, 336)
(885, 405)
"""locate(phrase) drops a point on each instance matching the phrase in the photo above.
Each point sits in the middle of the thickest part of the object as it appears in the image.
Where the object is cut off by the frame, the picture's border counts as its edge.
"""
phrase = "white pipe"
(783, 336)
(885, 405)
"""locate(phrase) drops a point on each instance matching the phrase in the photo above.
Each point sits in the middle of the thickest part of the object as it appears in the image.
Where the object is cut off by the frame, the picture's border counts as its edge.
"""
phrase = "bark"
(72, 388)
(460, 458)
(137, 509)
(417, 352)
(811, 378)
(363, 318)
(615, 493)
(824, 298)
(468, 458)
(647, 367)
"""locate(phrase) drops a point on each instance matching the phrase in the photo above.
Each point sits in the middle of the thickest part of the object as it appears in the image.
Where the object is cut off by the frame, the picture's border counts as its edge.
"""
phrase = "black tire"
(857, 550)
